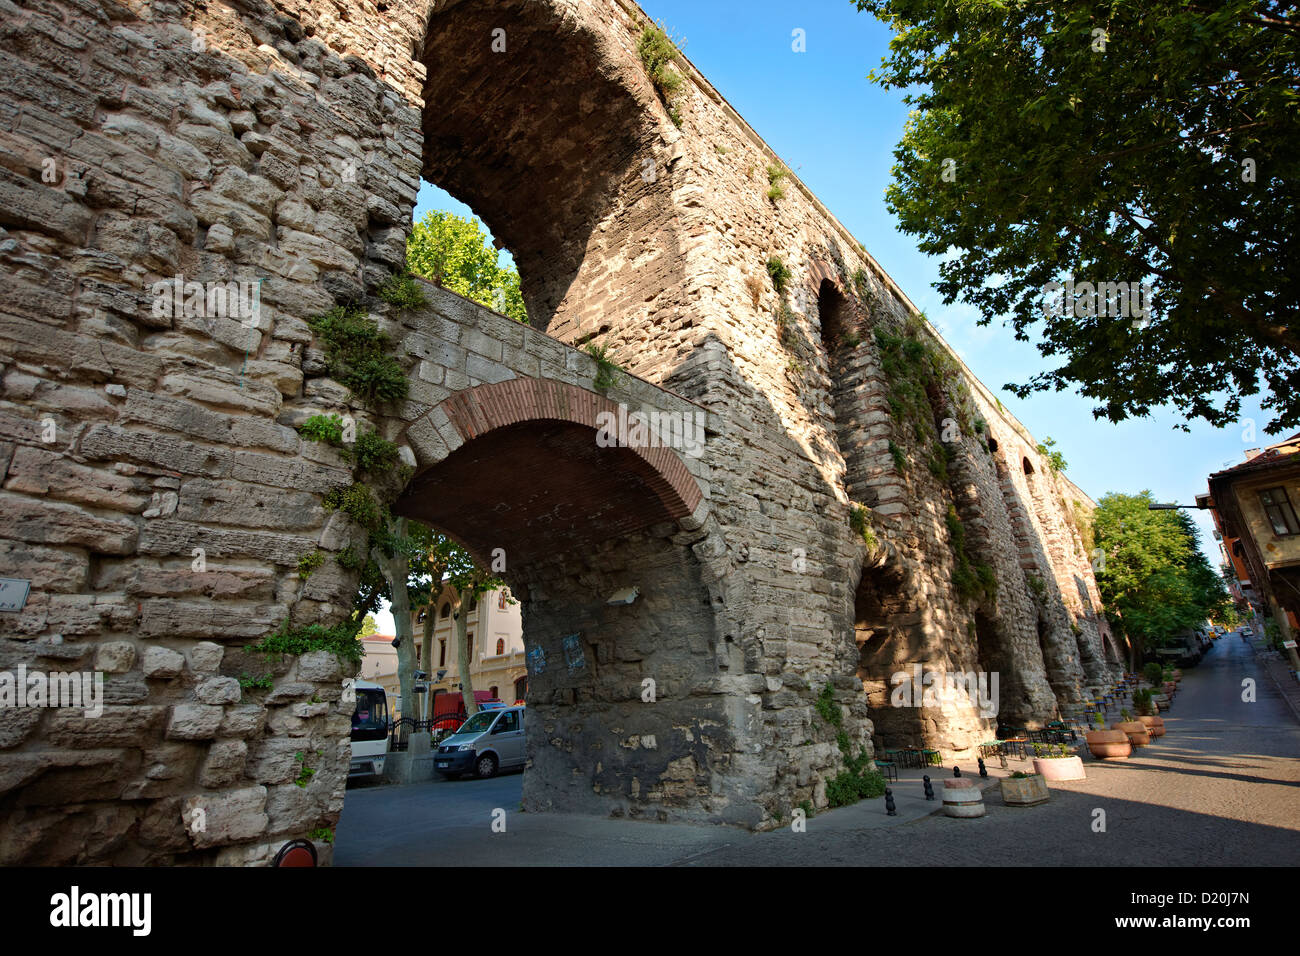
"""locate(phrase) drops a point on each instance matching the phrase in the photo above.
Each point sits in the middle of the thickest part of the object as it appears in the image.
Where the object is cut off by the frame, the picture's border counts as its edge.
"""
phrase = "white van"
(489, 741)
(369, 731)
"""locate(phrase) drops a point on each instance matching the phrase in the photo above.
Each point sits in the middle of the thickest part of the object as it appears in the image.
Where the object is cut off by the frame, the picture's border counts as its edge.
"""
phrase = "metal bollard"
(890, 809)
(956, 770)
(983, 770)
(929, 788)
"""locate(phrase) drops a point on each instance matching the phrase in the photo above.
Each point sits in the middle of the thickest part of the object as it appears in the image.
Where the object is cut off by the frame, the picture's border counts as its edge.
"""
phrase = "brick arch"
(484, 431)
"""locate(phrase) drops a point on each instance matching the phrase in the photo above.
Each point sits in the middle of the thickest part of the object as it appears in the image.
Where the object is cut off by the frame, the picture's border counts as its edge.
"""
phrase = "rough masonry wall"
(283, 144)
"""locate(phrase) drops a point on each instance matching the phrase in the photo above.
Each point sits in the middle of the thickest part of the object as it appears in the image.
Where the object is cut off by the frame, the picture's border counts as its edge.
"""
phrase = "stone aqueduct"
(285, 142)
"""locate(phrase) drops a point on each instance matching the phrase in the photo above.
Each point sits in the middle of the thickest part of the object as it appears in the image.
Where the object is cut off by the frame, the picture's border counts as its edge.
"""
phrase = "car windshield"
(371, 712)
(478, 723)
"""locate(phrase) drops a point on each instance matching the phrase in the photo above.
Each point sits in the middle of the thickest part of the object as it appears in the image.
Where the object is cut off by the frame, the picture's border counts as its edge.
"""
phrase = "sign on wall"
(13, 593)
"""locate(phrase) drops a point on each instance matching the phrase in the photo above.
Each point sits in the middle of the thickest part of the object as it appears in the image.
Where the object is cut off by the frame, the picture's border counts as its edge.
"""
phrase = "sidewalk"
(1279, 670)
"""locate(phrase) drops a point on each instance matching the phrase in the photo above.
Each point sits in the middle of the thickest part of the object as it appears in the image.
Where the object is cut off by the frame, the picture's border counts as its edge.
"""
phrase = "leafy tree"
(418, 563)
(368, 626)
(1155, 582)
(1131, 141)
(455, 252)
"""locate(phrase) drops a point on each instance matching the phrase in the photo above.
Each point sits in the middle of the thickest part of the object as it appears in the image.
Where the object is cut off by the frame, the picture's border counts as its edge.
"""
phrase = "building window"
(442, 653)
(501, 646)
(419, 618)
(493, 691)
(1280, 513)
(446, 610)
(1026, 466)
(521, 688)
(473, 603)
(501, 600)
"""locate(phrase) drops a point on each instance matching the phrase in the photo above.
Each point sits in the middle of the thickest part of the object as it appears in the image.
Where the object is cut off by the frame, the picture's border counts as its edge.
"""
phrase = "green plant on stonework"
(321, 835)
(340, 640)
(349, 560)
(305, 773)
(357, 502)
(356, 353)
(658, 54)
(373, 453)
(860, 522)
(324, 428)
(973, 580)
(1152, 673)
(308, 563)
(779, 273)
(850, 338)
(1055, 460)
(606, 368)
(858, 780)
(900, 460)
(827, 709)
(774, 176)
(785, 326)
(261, 682)
(1037, 585)
(807, 808)
(401, 290)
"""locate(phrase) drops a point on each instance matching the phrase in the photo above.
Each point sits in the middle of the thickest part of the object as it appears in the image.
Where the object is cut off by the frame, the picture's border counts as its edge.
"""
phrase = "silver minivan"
(489, 741)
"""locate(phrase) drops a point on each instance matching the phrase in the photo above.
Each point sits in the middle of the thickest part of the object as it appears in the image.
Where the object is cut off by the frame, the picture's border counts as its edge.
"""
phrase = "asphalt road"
(1221, 788)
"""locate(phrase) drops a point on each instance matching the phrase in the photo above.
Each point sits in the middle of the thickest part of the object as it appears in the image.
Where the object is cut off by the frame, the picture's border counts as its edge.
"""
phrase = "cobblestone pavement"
(1220, 788)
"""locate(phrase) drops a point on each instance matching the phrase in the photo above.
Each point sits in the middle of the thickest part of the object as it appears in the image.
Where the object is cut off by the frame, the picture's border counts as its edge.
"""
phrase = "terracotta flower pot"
(1155, 725)
(1025, 791)
(1136, 730)
(1060, 768)
(1108, 744)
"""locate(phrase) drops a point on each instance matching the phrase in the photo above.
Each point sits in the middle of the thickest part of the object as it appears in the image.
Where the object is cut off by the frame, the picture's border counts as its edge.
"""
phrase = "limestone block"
(160, 663)
(194, 722)
(225, 817)
(218, 690)
(115, 657)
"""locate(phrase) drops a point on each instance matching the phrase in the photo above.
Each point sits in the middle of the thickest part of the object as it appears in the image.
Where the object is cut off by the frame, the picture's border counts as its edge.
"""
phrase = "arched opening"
(580, 524)
(836, 318)
(993, 445)
(530, 121)
(445, 612)
(1026, 466)
(890, 638)
(501, 646)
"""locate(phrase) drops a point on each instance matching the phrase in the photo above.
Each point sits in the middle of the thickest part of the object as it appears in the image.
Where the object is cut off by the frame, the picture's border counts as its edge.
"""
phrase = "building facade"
(1255, 504)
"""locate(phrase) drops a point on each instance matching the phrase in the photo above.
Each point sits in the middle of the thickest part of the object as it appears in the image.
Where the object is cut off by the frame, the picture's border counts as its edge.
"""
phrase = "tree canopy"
(1138, 141)
(455, 251)
(1153, 578)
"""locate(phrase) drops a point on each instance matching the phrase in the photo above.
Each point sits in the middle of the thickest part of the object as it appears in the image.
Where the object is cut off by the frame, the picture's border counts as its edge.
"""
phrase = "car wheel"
(486, 766)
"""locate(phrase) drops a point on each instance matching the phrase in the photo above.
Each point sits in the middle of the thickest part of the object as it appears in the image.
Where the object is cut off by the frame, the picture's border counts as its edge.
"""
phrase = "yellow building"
(495, 633)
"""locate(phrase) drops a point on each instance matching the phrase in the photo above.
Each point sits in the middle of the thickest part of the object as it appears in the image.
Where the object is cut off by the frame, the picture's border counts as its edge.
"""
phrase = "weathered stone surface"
(194, 722)
(155, 487)
(160, 663)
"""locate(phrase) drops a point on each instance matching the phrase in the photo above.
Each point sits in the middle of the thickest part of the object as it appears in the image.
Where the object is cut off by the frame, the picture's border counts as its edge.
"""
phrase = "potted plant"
(1136, 730)
(1057, 762)
(1024, 789)
(1107, 744)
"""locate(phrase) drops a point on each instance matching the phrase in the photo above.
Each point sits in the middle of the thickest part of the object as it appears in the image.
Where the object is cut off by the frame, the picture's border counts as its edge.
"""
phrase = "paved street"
(1220, 788)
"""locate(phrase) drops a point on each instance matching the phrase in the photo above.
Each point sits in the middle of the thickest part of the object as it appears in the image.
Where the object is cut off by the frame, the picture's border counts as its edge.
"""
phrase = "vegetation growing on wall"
(973, 579)
(860, 522)
(658, 55)
(774, 176)
(606, 368)
(858, 780)
(402, 291)
(341, 640)
(779, 273)
(356, 352)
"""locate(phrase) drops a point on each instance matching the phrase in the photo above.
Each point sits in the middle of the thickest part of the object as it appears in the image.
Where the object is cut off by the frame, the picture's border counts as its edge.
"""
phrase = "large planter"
(1108, 744)
(1025, 791)
(961, 798)
(1059, 768)
(1155, 725)
(1136, 730)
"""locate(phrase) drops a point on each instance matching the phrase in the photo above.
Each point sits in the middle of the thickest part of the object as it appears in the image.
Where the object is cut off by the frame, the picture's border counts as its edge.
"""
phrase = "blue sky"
(837, 132)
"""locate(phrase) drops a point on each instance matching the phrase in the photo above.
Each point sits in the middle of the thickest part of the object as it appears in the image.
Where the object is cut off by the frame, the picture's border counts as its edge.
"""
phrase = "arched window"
(442, 653)
(1029, 469)
(501, 646)
(521, 688)
(493, 691)
(445, 612)
(993, 444)
(473, 603)
(833, 311)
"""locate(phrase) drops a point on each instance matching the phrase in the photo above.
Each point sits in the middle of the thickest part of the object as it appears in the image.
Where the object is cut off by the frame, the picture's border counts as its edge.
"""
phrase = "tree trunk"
(461, 613)
(426, 650)
(395, 571)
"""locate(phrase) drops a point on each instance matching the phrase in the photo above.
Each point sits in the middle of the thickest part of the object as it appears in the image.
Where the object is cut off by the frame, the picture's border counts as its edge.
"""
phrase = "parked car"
(1247, 632)
(490, 741)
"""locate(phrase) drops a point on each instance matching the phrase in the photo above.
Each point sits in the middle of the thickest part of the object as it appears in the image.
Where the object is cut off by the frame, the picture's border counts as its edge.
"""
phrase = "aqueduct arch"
(167, 511)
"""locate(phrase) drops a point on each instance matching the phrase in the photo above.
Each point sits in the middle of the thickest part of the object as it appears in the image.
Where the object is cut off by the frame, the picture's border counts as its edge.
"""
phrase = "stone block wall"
(160, 498)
